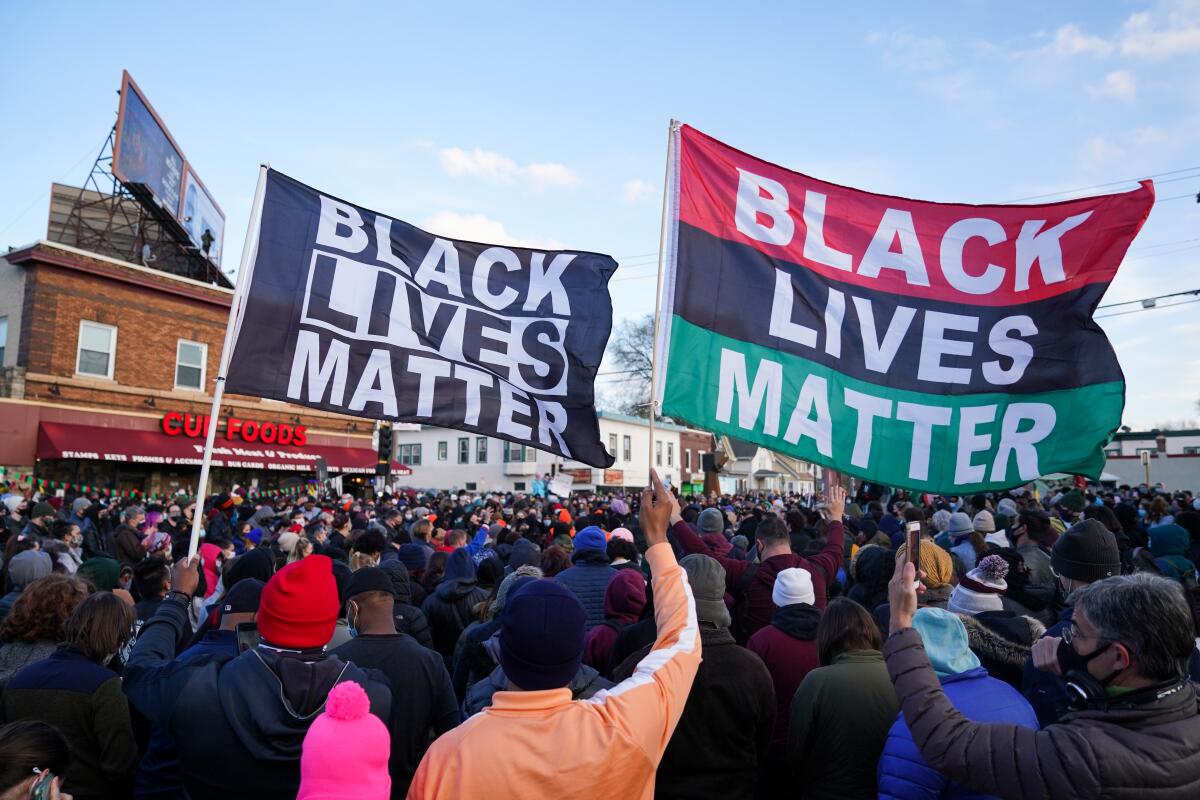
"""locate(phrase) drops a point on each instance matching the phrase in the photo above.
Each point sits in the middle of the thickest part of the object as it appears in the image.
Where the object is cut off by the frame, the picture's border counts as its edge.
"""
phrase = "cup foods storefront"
(160, 455)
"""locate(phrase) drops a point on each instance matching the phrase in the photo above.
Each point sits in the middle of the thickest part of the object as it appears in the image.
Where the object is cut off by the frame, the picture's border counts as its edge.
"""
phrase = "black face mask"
(1071, 661)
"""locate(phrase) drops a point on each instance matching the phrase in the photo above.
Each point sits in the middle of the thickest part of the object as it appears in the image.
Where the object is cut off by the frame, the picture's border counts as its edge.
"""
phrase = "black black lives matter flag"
(349, 311)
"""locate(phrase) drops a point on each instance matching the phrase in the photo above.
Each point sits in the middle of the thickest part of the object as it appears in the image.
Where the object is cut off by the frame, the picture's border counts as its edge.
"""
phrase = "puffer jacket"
(904, 775)
(448, 608)
(586, 683)
(589, 580)
(1002, 642)
(1147, 746)
(409, 618)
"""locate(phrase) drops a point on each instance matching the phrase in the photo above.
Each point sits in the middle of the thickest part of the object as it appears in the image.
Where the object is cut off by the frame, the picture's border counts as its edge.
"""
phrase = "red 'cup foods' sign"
(195, 426)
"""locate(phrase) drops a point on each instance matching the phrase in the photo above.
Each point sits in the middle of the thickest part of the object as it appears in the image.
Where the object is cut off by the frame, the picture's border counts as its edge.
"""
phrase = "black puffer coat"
(409, 618)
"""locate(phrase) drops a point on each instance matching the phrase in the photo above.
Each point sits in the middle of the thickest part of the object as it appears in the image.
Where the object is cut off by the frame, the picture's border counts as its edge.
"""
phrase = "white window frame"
(203, 365)
(627, 448)
(612, 443)
(687, 460)
(112, 343)
(443, 451)
(670, 454)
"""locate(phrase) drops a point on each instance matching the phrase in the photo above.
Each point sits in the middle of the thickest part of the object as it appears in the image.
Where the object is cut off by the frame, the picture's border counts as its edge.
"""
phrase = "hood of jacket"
(989, 643)
(459, 579)
(625, 596)
(271, 698)
(590, 558)
(1169, 540)
(874, 566)
(401, 585)
(799, 621)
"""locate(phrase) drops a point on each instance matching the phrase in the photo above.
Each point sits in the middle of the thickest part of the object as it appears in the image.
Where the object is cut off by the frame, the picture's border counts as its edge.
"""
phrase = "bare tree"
(631, 349)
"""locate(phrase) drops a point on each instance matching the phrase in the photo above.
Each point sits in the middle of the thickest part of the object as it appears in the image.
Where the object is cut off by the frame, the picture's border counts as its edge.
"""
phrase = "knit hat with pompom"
(346, 750)
(982, 588)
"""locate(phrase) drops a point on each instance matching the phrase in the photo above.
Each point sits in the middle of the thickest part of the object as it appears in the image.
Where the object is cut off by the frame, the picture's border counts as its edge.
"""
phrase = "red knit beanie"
(299, 606)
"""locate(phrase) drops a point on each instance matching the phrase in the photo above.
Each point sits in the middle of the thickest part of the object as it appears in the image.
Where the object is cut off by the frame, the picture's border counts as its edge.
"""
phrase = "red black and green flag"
(941, 347)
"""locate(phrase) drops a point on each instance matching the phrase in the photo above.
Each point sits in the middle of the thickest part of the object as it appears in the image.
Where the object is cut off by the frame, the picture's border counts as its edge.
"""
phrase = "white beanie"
(982, 589)
(1007, 507)
(984, 522)
(793, 586)
(13, 502)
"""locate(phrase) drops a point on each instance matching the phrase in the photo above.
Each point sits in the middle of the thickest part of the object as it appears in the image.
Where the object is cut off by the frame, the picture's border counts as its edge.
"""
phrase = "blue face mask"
(1142, 513)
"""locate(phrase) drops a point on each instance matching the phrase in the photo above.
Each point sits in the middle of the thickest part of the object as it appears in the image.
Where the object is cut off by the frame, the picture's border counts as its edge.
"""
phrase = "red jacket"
(788, 646)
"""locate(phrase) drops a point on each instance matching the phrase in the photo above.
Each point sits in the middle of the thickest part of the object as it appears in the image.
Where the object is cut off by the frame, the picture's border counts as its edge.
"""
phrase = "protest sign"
(932, 346)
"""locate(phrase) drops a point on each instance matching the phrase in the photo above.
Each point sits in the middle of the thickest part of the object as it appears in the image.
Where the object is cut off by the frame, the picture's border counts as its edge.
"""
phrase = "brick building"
(108, 369)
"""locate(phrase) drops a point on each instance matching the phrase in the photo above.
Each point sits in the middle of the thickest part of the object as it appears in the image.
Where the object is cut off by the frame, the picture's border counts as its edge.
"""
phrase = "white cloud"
(481, 228)
(1148, 136)
(635, 190)
(1098, 151)
(496, 168)
(1069, 40)
(1180, 34)
(1119, 84)
(906, 50)
(956, 87)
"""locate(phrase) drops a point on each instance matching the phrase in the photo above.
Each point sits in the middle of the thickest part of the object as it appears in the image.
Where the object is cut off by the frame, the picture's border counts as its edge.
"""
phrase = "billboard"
(146, 156)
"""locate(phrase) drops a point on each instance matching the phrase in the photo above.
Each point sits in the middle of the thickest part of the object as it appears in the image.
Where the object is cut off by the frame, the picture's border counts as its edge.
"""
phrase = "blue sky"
(546, 123)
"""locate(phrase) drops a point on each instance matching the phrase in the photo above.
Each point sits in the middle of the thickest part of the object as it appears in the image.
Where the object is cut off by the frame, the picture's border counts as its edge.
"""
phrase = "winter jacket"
(615, 739)
(873, 568)
(1002, 642)
(1146, 746)
(129, 545)
(409, 618)
(965, 551)
(15, 656)
(423, 704)
(757, 595)
(788, 646)
(623, 603)
(721, 741)
(83, 700)
(472, 661)
(1045, 691)
(589, 579)
(584, 685)
(839, 722)
(1169, 544)
(1038, 561)
(450, 607)
(903, 773)
(246, 714)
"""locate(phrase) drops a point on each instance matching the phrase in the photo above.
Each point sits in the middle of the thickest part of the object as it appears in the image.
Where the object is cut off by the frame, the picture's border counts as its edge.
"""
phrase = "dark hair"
(1105, 516)
(1037, 524)
(796, 521)
(61, 527)
(554, 561)
(435, 570)
(42, 609)
(28, 745)
(421, 529)
(369, 542)
(772, 529)
(622, 548)
(1148, 614)
(99, 626)
(148, 577)
(559, 529)
(845, 626)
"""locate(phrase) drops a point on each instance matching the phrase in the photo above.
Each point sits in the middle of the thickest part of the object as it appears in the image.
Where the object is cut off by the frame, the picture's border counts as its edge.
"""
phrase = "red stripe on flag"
(976, 254)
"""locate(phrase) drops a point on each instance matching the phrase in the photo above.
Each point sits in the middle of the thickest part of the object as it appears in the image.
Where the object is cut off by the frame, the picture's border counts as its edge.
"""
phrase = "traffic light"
(384, 465)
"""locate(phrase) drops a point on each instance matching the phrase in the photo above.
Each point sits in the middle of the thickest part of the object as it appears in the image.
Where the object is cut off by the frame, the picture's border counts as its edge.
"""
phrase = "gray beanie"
(26, 567)
(80, 505)
(707, 579)
(960, 525)
(711, 521)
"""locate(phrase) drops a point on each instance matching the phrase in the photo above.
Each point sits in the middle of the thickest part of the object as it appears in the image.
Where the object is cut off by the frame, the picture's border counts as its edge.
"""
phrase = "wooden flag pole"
(662, 258)
(249, 249)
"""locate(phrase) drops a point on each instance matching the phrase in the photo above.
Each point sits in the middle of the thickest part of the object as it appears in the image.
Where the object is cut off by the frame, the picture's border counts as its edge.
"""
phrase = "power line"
(1105, 185)
(1147, 308)
(1151, 300)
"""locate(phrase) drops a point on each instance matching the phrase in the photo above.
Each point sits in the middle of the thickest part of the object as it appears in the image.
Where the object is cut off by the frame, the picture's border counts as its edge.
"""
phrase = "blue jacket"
(589, 580)
(1045, 691)
(903, 773)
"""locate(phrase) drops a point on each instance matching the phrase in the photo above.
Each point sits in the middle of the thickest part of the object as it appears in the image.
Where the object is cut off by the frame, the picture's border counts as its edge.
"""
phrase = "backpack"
(741, 603)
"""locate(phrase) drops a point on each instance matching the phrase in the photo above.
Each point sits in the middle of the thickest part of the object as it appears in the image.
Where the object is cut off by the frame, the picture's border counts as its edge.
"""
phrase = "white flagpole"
(662, 259)
(249, 249)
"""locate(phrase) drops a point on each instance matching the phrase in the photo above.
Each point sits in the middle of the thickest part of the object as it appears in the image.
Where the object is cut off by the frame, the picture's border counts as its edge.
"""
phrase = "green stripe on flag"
(803, 409)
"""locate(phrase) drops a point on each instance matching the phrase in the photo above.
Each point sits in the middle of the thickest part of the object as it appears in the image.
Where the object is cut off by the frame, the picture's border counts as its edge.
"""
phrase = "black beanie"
(1086, 552)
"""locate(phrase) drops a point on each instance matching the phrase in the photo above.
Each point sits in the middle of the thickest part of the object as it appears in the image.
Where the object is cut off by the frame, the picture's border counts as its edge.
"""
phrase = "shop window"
(464, 450)
(190, 360)
(97, 349)
(627, 448)
(443, 451)
(481, 449)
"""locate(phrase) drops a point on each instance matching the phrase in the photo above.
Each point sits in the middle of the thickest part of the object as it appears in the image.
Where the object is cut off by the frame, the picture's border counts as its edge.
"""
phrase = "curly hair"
(42, 609)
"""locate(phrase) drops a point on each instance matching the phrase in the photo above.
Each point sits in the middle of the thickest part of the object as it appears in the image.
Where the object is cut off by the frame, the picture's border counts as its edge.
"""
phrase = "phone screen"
(40, 790)
(247, 636)
(912, 542)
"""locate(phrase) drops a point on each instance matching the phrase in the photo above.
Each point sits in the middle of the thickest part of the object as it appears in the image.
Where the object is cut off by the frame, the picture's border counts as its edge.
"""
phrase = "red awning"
(62, 440)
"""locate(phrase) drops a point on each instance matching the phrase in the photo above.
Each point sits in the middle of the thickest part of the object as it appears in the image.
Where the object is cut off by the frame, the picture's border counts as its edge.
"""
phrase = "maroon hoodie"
(623, 603)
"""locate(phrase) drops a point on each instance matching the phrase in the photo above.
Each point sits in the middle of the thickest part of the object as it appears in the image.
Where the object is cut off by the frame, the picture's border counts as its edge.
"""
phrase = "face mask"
(1071, 661)
(1142, 513)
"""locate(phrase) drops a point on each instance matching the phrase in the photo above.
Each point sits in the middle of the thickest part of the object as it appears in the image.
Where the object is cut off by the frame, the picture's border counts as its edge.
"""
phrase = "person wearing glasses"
(1134, 728)
(1086, 553)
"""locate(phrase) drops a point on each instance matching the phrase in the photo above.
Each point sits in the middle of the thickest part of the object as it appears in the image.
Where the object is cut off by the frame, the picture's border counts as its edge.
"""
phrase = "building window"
(670, 454)
(464, 450)
(519, 486)
(612, 444)
(443, 451)
(513, 452)
(627, 447)
(1116, 451)
(409, 454)
(190, 360)
(3, 337)
(480, 449)
(658, 453)
(1191, 451)
(687, 460)
(470, 487)
(530, 455)
(97, 348)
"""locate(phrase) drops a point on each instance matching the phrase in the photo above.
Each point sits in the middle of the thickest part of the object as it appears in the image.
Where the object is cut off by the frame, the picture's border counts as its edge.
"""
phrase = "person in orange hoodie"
(541, 645)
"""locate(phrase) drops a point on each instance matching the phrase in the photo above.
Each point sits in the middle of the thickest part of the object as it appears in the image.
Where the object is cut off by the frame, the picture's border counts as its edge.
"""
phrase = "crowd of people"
(467, 645)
